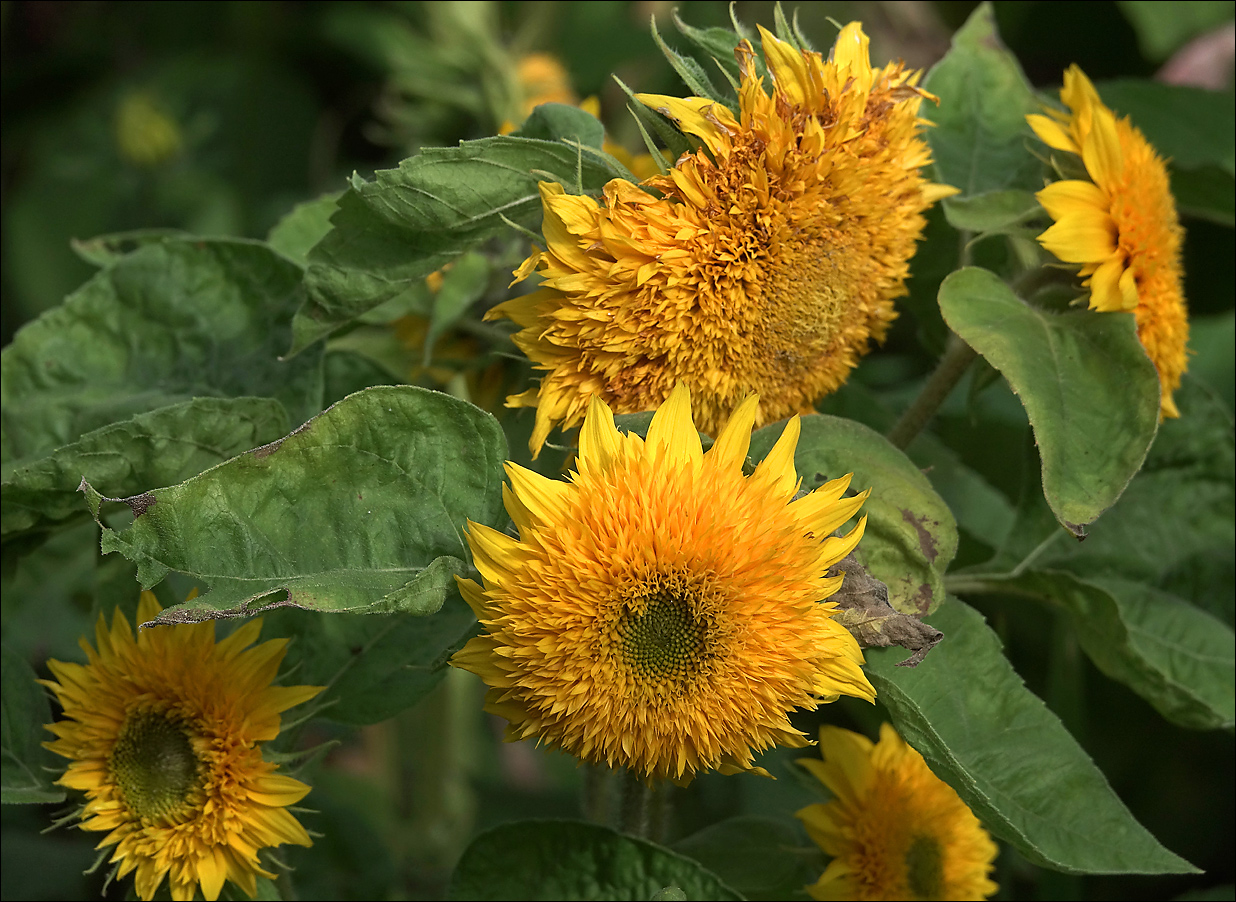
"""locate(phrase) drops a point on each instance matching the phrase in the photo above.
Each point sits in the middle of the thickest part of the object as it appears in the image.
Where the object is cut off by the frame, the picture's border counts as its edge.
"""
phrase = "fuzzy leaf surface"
(1009, 757)
(24, 709)
(575, 860)
(159, 448)
(979, 139)
(162, 325)
(1090, 391)
(911, 536)
(361, 509)
(391, 232)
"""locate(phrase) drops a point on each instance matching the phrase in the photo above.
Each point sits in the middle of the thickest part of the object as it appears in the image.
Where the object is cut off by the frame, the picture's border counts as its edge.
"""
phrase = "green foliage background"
(298, 126)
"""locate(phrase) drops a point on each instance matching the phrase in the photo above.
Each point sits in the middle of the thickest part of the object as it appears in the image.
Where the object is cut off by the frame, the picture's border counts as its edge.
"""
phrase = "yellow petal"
(598, 439)
(778, 466)
(1101, 152)
(787, 67)
(1053, 133)
(672, 431)
(729, 451)
(1073, 196)
(1105, 293)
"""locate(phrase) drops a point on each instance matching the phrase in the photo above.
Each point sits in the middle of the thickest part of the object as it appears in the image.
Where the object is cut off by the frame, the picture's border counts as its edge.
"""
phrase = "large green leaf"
(169, 322)
(1172, 528)
(575, 860)
(162, 447)
(1190, 126)
(1171, 653)
(373, 667)
(979, 138)
(760, 857)
(24, 763)
(303, 226)
(1011, 760)
(361, 509)
(911, 536)
(1090, 391)
(389, 233)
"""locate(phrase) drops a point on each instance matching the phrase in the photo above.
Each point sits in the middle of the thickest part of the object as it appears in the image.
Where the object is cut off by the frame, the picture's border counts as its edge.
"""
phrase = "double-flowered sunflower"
(763, 262)
(895, 830)
(660, 610)
(1119, 223)
(163, 733)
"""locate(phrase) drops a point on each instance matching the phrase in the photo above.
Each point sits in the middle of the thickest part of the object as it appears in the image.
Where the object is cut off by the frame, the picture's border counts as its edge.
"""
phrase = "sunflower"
(163, 734)
(895, 830)
(1120, 223)
(660, 611)
(763, 262)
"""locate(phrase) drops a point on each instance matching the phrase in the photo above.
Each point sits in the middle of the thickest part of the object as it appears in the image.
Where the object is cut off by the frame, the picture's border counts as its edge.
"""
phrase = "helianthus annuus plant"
(764, 262)
(661, 611)
(163, 732)
(1119, 223)
(895, 830)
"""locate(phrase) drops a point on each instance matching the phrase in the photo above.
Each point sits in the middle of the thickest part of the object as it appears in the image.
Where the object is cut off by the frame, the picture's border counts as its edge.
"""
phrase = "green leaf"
(1009, 758)
(993, 211)
(104, 250)
(1190, 126)
(303, 227)
(1206, 193)
(373, 667)
(716, 44)
(462, 286)
(760, 857)
(562, 122)
(361, 509)
(911, 536)
(162, 447)
(1090, 391)
(390, 233)
(160, 326)
(1174, 655)
(692, 73)
(979, 139)
(24, 764)
(575, 860)
(1162, 28)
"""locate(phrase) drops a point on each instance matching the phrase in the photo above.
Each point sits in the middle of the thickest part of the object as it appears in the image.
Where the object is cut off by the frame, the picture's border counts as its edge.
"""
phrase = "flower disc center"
(925, 868)
(665, 640)
(153, 764)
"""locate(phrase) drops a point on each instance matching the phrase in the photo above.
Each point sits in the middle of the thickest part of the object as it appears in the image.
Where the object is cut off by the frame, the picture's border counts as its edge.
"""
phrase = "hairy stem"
(952, 366)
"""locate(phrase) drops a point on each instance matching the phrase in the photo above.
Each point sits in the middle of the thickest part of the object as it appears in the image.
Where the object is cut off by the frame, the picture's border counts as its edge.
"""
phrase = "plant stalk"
(952, 366)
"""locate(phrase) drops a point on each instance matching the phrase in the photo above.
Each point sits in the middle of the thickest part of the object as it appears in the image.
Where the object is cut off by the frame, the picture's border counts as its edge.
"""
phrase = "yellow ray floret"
(894, 830)
(1121, 225)
(162, 731)
(765, 262)
(660, 610)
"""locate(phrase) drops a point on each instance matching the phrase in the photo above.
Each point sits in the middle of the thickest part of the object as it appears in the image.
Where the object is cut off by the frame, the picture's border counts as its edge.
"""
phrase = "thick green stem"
(636, 816)
(952, 366)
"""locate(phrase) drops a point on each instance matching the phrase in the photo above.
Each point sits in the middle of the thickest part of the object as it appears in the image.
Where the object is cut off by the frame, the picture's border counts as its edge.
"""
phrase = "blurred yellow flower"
(163, 733)
(895, 830)
(660, 611)
(764, 263)
(145, 135)
(1120, 224)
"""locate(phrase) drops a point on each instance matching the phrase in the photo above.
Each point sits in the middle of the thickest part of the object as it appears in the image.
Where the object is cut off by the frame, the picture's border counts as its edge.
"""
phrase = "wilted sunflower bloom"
(1120, 224)
(163, 734)
(895, 830)
(763, 262)
(660, 611)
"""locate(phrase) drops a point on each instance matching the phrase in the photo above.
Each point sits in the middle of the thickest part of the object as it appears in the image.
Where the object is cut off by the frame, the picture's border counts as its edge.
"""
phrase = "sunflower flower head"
(764, 262)
(894, 830)
(163, 734)
(1119, 223)
(660, 610)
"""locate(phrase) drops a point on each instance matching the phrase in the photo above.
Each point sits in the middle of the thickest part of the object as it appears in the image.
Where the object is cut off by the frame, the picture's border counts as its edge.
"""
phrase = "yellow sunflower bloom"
(660, 611)
(1120, 225)
(767, 261)
(163, 734)
(895, 829)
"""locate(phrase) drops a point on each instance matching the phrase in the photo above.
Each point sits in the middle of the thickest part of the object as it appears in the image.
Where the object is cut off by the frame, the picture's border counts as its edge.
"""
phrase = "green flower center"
(665, 640)
(153, 764)
(925, 868)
